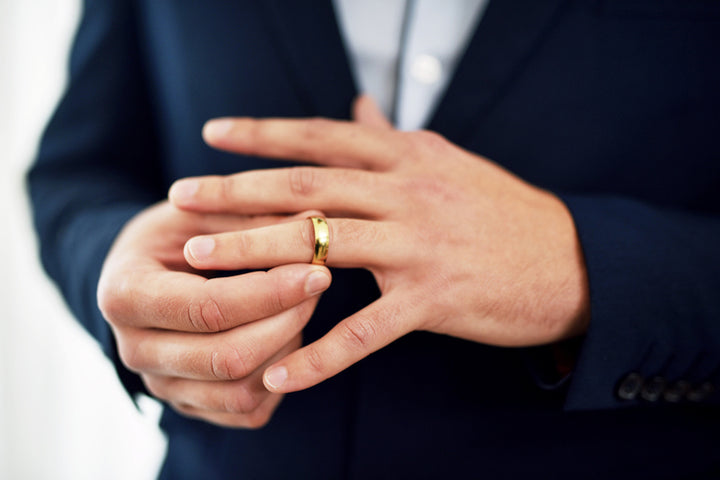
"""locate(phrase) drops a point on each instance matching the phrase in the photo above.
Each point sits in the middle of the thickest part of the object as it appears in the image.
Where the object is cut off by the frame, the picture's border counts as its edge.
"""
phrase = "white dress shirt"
(404, 52)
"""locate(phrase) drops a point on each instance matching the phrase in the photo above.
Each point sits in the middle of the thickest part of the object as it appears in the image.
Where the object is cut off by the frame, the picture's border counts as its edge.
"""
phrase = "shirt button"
(426, 69)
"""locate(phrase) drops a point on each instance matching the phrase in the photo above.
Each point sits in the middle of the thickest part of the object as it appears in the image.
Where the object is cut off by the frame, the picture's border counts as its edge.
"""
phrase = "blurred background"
(63, 413)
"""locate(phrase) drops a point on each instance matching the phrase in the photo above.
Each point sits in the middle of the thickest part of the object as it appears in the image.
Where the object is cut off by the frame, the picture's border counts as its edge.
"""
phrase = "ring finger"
(253, 420)
(238, 397)
(353, 244)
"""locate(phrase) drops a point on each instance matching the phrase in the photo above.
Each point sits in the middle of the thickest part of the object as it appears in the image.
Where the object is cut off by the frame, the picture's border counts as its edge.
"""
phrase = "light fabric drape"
(63, 414)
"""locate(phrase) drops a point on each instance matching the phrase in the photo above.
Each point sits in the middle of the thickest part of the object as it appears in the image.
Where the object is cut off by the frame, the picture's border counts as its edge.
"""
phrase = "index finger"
(190, 303)
(318, 140)
(351, 340)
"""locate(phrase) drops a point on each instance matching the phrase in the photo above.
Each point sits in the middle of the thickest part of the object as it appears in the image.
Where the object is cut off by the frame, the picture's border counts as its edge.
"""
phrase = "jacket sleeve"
(97, 165)
(654, 277)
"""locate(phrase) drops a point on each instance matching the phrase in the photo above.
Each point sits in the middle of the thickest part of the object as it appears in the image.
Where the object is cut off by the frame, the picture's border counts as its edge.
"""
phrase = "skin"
(202, 344)
(458, 245)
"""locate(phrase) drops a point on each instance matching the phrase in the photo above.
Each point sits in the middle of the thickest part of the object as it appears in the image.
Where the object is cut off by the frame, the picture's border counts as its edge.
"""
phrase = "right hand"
(202, 344)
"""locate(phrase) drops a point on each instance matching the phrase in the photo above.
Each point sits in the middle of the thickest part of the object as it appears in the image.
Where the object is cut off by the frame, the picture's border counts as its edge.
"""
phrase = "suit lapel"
(307, 33)
(508, 34)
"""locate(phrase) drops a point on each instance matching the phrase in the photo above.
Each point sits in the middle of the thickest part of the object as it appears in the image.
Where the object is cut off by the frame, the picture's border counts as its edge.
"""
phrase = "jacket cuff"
(655, 321)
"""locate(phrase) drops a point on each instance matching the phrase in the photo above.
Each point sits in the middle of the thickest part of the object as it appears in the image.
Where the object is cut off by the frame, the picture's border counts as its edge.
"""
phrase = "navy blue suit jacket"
(611, 104)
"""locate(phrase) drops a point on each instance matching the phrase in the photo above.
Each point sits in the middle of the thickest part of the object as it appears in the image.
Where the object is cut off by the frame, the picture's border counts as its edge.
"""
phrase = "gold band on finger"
(322, 240)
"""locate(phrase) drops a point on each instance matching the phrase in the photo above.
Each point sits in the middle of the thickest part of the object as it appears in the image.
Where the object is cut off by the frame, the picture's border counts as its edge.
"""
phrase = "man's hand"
(202, 344)
(457, 245)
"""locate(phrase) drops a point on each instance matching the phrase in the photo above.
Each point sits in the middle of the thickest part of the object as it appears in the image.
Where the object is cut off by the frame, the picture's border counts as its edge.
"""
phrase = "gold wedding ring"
(322, 240)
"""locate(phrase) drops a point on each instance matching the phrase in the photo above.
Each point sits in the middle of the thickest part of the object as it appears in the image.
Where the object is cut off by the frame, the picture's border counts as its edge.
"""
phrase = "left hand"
(457, 245)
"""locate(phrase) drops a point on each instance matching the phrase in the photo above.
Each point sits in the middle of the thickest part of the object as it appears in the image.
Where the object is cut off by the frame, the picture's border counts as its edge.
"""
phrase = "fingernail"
(275, 377)
(184, 190)
(217, 128)
(318, 281)
(200, 248)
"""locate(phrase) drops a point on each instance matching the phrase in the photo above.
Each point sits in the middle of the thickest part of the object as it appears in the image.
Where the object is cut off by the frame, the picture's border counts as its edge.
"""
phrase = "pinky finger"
(254, 420)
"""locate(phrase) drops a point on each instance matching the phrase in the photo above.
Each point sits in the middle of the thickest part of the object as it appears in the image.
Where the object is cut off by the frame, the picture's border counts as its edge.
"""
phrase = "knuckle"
(313, 131)
(155, 386)
(128, 351)
(364, 233)
(276, 301)
(429, 140)
(242, 244)
(425, 188)
(256, 132)
(313, 359)
(190, 411)
(215, 366)
(230, 363)
(301, 180)
(105, 299)
(183, 408)
(227, 189)
(257, 420)
(112, 297)
(232, 404)
(358, 334)
(205, 315)
(241, 401)
(316, 127)
(424, 145)
(300, 314)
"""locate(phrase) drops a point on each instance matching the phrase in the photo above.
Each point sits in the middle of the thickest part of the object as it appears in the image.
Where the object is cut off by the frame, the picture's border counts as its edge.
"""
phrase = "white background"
(63, 414)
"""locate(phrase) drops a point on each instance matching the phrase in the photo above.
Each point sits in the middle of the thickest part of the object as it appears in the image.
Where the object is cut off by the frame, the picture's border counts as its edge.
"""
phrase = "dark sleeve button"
(630, 386)
(700, 393)
(676, 392)
(653, 389)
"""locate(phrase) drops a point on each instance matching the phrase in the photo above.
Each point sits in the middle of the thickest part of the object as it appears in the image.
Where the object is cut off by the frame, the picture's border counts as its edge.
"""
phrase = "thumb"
(367, 112)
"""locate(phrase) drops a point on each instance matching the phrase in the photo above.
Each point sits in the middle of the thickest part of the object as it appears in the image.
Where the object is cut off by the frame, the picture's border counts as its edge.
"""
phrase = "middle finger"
(229, 355)
(234, 396)
(332, 190)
